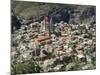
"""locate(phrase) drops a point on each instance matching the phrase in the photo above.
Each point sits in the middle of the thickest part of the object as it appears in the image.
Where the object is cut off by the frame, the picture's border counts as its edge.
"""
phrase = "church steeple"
(51, 25)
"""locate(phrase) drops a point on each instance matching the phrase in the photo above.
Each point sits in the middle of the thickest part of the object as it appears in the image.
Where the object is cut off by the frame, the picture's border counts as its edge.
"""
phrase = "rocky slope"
(69, 13)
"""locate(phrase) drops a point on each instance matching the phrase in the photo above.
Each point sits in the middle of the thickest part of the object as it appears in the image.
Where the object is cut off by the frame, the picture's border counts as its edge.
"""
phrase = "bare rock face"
(59, 12)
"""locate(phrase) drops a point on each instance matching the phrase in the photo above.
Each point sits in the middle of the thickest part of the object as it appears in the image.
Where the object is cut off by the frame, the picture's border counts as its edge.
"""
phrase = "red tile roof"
(43, 38)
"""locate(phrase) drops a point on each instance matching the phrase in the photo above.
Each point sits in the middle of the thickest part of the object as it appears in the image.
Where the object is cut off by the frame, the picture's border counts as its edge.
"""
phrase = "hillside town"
(55, 47)
(52, 39)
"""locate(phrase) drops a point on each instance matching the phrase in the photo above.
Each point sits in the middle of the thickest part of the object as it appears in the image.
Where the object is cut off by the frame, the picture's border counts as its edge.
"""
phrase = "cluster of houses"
(54, 45)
